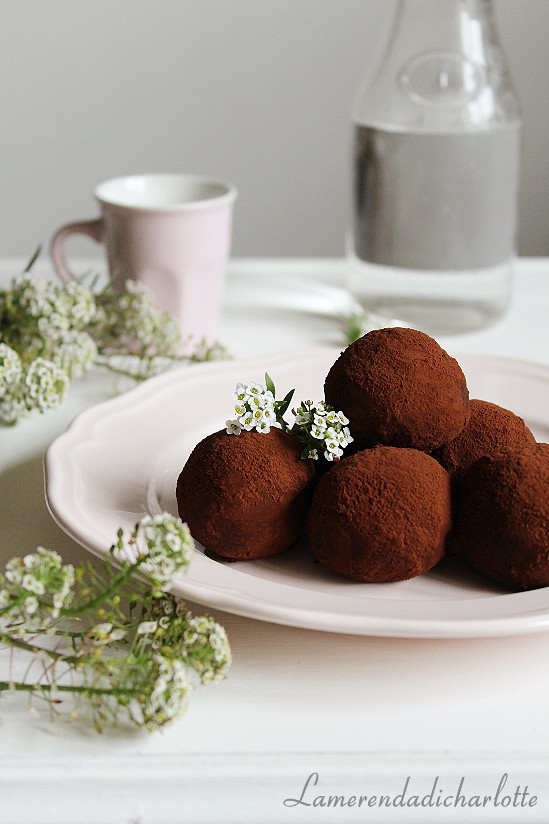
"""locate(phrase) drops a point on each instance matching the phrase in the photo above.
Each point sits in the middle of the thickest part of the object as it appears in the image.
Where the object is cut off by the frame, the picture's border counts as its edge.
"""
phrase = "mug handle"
(92, 228)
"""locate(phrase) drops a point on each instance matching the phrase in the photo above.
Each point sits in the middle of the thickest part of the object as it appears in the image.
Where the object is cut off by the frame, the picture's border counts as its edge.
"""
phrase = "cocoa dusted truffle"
(399, 388)
(246, 496)
(502, 523)
(381, 515)
(490, 430)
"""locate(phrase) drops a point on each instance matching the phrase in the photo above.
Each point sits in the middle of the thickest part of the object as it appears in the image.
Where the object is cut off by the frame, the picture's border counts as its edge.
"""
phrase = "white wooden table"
(361, 713)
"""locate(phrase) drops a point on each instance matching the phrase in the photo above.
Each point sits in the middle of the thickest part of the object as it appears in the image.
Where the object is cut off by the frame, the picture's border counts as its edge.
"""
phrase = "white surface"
(363, 712)
(122, 458)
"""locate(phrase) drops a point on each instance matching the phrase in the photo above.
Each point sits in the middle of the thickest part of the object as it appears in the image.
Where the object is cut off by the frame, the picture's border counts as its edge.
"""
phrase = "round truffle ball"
(502, 522)
(381, 515)
(246, 496)
(398, 387)
(491, 429)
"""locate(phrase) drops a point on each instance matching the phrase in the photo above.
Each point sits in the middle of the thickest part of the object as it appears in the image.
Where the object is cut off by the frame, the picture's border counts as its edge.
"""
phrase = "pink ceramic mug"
(172, 232)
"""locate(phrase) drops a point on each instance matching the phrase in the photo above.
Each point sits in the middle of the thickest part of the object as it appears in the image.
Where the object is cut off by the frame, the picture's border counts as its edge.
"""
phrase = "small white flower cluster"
(321, 429)
(11, 370)
(48, 329)
(12, 405)
(165, 543)
(43, 386)
(169, 694)
(53, 334)
(71, 306)
(206, 648)
(73, 352)
(254, 409)
(140, 671)
(47, 324)
(130, 323)
(46, 385)
(41, 573)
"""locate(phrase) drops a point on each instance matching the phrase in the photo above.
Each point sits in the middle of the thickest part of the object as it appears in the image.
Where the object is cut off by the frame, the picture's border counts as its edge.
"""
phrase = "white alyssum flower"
(150, 328)
(254, 390)
(46, 385)
(41, 573)
(74, 353)
(10, 367)
(78, 303)
(206, 648)
(101, 635)
(70, 306)
(321, 429)
(254, 409)
(36, 296)
(247, 421)
(147, 627)
(170, 692)
(12, 409)
(31, 605)
(233, 427)
(165, 543)
(239, 393)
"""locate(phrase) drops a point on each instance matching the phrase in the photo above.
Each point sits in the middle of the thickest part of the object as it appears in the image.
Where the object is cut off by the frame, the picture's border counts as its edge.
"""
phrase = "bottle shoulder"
(437, 93)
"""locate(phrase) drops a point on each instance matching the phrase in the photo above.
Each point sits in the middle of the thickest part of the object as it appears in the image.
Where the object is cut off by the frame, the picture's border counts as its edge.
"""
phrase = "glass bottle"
(436, 170)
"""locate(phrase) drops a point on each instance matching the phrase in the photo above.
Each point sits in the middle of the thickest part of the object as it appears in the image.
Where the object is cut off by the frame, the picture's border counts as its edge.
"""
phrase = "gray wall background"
(255, 91)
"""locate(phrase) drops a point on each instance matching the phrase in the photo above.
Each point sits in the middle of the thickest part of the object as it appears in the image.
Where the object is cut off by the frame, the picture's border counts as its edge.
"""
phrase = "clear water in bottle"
(434, 225)
(435, 172)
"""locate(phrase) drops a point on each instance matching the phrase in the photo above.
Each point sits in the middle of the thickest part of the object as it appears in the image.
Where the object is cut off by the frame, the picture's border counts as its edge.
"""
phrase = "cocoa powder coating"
(246, 496)
(491, 429)
(502, 523)
(400, 388)
(381, 515)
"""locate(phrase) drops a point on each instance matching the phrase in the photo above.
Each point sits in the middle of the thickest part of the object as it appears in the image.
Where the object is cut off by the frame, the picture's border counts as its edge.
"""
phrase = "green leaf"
(284, 404)
(33, 259)
(354, 326)
(269, 384)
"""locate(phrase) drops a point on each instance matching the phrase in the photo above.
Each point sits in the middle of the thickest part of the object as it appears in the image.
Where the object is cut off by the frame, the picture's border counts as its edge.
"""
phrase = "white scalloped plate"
(120, 458)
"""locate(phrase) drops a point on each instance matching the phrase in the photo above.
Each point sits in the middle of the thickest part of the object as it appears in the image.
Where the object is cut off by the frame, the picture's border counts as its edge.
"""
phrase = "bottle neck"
(443, 69)
(464, 26)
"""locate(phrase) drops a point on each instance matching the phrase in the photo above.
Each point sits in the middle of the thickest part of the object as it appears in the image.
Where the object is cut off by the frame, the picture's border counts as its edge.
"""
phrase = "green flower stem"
(104, 362)
(6, 686)
(10, 641)
(117, 370)
(101, 597)
(15, 603)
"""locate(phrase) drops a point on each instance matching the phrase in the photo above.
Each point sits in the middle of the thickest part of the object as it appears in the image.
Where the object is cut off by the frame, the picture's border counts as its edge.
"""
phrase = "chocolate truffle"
(502, 523)
(381, 515)
(246, 496)
(399, 388)
(491, 429)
